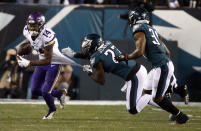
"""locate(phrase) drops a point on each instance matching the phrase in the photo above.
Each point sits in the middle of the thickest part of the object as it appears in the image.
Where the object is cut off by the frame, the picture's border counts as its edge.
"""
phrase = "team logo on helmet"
(91, 43)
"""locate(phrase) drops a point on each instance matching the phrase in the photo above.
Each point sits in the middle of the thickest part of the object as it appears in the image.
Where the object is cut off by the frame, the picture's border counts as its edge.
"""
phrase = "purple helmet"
(35, 23)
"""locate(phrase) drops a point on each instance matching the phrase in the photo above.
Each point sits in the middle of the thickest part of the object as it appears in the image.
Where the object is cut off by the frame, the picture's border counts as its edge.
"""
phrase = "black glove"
(122, 57)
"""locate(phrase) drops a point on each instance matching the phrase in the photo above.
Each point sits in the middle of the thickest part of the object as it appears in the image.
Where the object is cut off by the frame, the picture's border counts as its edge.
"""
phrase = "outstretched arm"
(140, 42)
(71, 53)
(81, 56)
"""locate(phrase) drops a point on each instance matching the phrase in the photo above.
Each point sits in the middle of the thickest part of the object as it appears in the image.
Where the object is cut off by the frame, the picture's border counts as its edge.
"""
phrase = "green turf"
(93, 118)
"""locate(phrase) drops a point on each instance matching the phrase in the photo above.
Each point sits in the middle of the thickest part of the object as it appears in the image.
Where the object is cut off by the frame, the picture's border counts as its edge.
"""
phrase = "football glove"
(22, 61)
(88, 69)
(122, 57)
(68, 51)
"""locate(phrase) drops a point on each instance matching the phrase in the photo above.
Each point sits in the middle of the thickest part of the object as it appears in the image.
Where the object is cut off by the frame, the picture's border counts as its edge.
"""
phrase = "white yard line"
(82, 102)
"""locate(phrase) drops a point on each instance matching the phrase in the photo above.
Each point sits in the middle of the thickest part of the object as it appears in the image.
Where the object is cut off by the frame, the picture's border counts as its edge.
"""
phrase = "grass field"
(27, 117)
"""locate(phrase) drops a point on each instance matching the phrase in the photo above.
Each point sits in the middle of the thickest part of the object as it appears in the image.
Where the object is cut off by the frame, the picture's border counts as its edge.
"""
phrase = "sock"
(168, 106)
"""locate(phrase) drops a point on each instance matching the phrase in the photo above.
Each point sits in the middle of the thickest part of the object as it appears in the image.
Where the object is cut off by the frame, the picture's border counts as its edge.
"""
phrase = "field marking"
(82, 102)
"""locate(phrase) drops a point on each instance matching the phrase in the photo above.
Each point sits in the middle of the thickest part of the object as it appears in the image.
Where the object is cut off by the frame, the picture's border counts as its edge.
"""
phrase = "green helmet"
(139, 15)
(90, 44)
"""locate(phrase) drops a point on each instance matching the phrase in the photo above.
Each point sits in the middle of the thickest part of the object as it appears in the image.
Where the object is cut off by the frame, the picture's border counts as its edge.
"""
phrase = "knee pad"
(133, 111)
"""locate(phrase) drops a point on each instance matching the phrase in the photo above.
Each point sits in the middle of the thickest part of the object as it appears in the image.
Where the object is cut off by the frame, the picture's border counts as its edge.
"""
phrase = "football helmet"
(91, 43)
(138, 15)
(35, 23)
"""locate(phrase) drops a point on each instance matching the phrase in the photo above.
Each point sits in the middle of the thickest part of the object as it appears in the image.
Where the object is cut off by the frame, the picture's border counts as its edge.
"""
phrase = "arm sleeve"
(81, 55)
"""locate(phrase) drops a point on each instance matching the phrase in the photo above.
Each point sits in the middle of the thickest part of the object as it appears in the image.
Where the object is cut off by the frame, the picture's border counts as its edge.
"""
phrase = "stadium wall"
(71, 23)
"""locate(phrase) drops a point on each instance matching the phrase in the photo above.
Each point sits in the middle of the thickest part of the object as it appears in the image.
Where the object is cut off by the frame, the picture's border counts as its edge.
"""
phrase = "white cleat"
(49, 115)
(63, 99)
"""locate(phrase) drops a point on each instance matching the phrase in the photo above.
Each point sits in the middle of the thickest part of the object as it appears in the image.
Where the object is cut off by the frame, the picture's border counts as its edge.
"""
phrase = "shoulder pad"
(139, 28)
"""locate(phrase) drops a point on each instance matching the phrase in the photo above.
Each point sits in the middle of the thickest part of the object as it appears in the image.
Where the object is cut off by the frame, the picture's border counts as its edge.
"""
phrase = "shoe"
(49, 115)
(172, 117)
(62, 99)
(181, 118)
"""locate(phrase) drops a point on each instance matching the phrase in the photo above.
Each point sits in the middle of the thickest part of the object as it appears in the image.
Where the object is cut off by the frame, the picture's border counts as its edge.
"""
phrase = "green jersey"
(106, 54)
(154, 51)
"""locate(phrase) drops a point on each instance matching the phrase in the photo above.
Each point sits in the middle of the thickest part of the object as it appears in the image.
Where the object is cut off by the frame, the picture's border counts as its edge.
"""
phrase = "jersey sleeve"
(138, 28)
(48, 37)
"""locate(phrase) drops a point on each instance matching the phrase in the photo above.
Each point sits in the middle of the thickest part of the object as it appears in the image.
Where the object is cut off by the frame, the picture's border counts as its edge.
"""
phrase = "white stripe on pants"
(138, 82)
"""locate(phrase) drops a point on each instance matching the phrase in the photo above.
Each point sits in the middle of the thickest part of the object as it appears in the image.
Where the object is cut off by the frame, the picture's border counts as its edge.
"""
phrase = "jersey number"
(46, 33)
(155, 36)
(109, 51)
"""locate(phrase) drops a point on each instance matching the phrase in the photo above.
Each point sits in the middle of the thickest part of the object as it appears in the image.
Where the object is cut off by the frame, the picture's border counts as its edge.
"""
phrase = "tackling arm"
(71, 53)
(140, 42)
(81, 56)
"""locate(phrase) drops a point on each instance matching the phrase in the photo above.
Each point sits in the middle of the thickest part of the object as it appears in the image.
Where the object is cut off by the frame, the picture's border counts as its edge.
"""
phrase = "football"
(24, 48)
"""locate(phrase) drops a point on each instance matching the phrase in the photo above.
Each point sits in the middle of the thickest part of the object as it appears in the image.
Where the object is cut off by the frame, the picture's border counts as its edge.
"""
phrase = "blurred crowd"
(15, 81)
(169, 3)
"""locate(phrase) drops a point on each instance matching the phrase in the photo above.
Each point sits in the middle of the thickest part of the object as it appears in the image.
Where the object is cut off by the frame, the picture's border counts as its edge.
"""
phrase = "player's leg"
(136, 100)
(37, 81)
(50, 78)
(161, 81)
(174, 88)
(148, 89)
(142, 98)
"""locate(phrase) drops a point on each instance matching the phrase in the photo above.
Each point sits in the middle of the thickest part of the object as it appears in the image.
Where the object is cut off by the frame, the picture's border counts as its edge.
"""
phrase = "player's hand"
(22, 61)
(120, 58)
(88, 69)
(68, 51)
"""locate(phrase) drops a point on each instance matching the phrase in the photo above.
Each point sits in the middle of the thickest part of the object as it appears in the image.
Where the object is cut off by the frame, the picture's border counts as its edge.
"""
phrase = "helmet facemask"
(33, 29)
(139, 15)
(86, 45)
(35, 23)
(91, 43)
